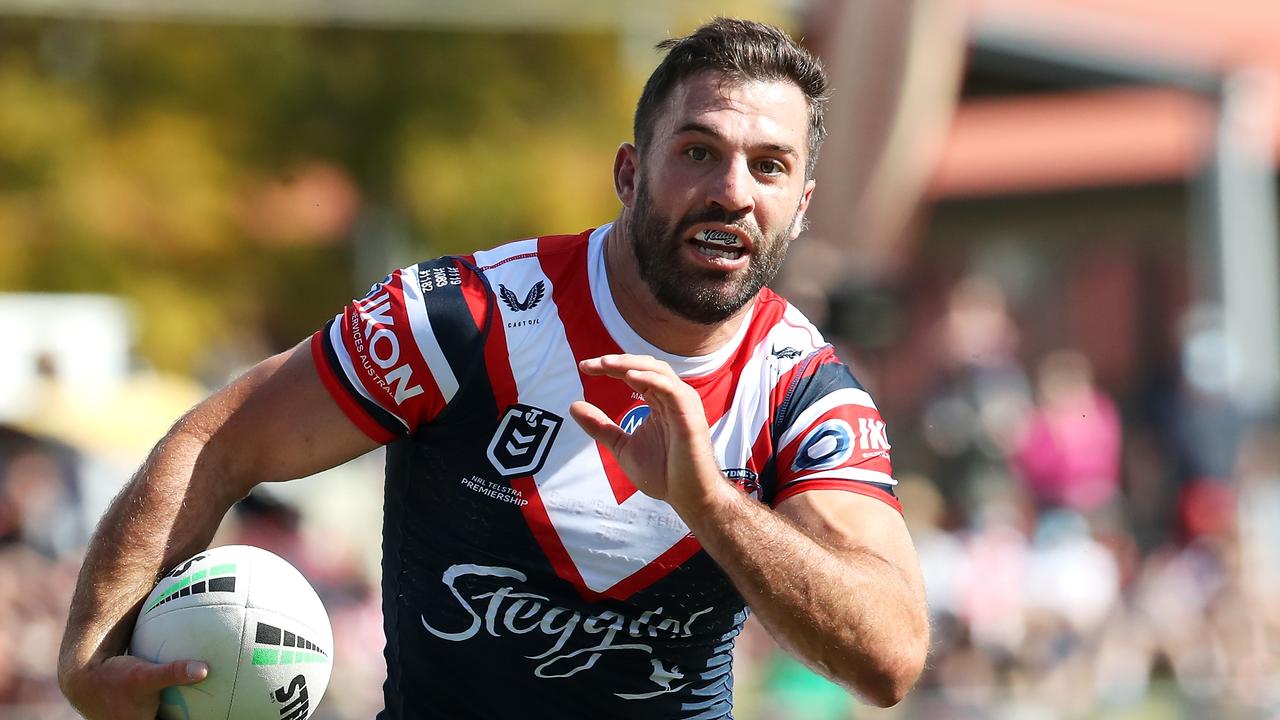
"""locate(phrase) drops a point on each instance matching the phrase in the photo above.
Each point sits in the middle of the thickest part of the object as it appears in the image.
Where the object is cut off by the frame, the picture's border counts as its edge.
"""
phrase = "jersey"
(523, 574)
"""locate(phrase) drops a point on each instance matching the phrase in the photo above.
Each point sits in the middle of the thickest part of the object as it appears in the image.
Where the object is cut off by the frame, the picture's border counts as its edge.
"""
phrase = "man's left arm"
(831, 574)
(833, 577)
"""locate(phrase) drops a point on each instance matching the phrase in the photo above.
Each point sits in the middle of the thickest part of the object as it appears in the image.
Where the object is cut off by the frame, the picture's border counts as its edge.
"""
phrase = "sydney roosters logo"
(531, 300)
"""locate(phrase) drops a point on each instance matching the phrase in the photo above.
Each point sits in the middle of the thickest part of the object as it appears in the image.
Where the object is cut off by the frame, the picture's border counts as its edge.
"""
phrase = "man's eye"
(698, 153)
(771, 167)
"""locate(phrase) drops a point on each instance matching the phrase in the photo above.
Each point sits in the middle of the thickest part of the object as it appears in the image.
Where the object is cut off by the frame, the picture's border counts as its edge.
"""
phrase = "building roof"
(1149, 131)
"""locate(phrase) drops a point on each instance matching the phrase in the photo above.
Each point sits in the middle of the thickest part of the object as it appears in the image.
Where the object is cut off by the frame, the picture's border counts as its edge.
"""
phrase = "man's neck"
(648, 317)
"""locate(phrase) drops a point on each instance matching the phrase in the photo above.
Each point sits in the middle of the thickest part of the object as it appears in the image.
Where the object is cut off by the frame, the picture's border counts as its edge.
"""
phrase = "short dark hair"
(741, 50)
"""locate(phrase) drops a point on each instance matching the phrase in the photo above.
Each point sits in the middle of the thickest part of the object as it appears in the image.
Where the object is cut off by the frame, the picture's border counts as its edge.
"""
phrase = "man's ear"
(626, 167)
(798, 225)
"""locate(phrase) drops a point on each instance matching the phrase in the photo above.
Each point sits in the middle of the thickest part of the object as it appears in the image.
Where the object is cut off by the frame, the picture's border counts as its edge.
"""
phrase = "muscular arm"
(832, 575)
(276, 422)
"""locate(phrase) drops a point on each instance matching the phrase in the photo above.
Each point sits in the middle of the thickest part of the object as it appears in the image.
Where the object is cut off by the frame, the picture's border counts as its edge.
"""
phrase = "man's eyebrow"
(697, 127)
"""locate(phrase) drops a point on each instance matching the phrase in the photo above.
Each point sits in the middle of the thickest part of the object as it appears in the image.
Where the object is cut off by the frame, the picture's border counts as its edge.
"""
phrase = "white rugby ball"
(257, 623)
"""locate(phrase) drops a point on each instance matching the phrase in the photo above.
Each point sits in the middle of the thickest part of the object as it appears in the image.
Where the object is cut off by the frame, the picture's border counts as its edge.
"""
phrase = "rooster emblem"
(530, 301)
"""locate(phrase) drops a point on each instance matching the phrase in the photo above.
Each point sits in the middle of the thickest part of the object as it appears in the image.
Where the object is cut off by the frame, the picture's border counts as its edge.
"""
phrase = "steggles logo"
(531, 300)
(574, 640)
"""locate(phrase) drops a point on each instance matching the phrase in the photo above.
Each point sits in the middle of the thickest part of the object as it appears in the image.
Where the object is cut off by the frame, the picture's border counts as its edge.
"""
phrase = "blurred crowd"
(1078, 565)
(1082, 560)
(45, 522)
(1079, 569)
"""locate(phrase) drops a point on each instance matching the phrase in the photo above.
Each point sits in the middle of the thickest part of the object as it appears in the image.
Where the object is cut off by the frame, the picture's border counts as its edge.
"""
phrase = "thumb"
(596, 424)
(157, 676)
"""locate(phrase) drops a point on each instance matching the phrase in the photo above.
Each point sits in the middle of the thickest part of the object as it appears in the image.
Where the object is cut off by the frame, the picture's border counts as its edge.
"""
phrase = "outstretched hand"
(669, 457)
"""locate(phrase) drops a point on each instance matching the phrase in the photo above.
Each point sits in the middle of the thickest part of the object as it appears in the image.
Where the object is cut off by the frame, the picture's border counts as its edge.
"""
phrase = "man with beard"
(719, 456)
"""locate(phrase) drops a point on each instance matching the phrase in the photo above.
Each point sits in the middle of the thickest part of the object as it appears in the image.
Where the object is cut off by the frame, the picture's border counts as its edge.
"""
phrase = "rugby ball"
(254, 620)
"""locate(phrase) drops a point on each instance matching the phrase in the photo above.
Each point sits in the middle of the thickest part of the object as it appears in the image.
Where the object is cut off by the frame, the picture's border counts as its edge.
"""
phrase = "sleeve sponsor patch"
(845, 438)
(835, 439)
(826, 446)
(383, 356)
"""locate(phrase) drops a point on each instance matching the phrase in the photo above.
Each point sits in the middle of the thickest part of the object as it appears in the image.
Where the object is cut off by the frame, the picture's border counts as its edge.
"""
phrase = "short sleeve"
(830, 436)
(393, 359)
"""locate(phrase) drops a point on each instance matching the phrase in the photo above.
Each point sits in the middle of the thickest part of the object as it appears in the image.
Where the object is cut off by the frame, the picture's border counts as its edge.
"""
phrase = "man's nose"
(733, 188)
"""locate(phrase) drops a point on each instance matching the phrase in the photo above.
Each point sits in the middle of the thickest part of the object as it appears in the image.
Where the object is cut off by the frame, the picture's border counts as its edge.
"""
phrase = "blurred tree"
(215, 175)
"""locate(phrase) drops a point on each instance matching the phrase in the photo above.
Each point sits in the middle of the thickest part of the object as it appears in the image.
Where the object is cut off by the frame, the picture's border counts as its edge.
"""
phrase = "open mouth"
(719, 244)
(720, 237)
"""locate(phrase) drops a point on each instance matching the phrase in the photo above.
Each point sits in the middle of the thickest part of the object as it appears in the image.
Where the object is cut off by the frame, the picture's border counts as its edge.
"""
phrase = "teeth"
(727, 239)
(718, 253)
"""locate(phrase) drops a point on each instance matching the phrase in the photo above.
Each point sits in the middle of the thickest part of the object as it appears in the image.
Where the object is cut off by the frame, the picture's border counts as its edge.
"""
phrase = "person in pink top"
(1068, 454)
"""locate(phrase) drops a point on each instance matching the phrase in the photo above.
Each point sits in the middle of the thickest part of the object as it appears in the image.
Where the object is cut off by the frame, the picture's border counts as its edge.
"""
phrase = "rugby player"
(603, 449)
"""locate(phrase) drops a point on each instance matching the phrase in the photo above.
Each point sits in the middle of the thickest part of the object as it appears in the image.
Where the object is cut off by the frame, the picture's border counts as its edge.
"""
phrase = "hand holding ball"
(257, 623)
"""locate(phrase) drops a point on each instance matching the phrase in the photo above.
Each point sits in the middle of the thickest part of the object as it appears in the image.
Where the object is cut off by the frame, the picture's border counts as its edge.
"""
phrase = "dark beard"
(701, 295)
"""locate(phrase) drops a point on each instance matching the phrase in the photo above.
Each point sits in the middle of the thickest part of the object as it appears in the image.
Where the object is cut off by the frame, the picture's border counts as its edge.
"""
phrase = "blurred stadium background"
(1045, 233)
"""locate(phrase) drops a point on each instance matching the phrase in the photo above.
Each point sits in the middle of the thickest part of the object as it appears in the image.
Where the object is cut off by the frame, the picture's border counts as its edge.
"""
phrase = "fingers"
(596, 424)
(618, 365)
(125, 687)
(642, 373)
(146, 676)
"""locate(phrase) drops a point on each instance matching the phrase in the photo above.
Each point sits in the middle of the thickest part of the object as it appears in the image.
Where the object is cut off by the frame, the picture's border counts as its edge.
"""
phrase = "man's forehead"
(779, 104)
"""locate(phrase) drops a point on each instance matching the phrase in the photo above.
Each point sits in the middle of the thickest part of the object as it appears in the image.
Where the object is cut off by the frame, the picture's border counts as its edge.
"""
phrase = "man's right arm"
(276, 422)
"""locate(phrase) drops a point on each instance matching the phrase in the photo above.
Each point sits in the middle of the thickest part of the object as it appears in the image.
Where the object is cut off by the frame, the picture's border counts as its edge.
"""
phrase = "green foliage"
(214, 174)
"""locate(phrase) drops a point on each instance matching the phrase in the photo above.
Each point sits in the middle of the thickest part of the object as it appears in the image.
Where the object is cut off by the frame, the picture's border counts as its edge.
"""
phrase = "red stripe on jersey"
(496, 357)
(674, 557)
(480, 303)
(718, 387)
(564, 261)
(535, 514)
(423, 408)
(505, 394)
(342, 395)
(474, 292)
(473, 289)
(860, 488)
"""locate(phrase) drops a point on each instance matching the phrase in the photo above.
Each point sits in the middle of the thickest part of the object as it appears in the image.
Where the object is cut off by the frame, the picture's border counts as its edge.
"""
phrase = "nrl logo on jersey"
(520, 444)
(531, 299)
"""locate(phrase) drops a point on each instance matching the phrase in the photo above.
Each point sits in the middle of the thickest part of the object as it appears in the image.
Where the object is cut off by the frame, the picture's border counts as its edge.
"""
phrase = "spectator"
(1068, 454)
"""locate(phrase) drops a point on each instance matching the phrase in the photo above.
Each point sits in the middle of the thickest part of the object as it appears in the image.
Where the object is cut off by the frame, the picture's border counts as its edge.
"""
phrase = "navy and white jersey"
(523, 574)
